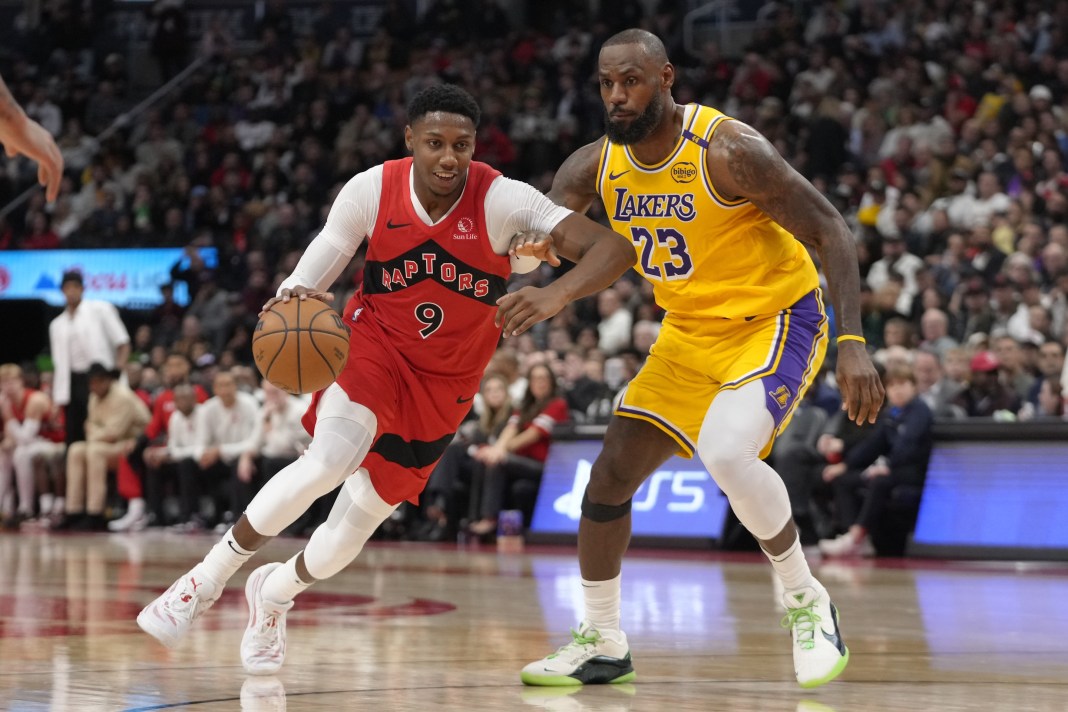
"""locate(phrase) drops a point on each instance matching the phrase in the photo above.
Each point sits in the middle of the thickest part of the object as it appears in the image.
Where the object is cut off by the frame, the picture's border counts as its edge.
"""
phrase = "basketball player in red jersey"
(423, 327)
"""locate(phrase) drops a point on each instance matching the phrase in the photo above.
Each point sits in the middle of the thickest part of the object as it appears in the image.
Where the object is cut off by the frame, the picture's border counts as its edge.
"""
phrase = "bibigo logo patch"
(683, 172)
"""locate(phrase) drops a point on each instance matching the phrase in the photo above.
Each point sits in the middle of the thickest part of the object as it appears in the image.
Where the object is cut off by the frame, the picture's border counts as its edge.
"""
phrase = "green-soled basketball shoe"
(589, 659)
(820, 655)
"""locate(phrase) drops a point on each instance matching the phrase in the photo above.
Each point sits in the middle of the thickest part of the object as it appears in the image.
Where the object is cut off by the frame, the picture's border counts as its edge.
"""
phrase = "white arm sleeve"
(352, 216)
(25, 433)
(513, 206)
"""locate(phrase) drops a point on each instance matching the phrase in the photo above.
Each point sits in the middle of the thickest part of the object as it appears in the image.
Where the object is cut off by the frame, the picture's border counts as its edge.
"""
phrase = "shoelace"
(267, 632)
(804, 621)
(578, 639)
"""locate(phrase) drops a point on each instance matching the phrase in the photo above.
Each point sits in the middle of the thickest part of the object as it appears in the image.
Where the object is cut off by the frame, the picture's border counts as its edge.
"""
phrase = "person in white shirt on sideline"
(86, 332)
(279, 437)
(179, 454)
(228, 427)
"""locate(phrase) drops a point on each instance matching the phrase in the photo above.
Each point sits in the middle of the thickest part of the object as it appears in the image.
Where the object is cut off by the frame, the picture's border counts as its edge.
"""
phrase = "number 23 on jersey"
(669, 263)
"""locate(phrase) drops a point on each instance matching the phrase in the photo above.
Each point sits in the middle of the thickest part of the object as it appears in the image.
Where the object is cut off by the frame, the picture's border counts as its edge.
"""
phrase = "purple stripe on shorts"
(783, 386)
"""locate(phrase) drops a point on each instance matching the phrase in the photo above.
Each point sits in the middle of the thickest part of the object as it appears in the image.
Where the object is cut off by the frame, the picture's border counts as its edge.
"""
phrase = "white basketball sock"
(602, 606)
(283, 584)
(792, 567)
(224, 559)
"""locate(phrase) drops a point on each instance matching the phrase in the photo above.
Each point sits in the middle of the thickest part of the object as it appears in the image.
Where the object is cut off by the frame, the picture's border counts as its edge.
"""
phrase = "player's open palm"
(862, 389)
(524, 308)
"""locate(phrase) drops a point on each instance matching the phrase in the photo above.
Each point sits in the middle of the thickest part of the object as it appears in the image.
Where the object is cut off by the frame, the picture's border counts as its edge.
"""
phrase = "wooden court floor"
(415, 627)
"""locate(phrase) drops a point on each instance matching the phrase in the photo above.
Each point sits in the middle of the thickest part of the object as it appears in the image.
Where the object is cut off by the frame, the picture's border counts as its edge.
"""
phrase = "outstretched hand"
(862, 390)
(524, 308)
(301, 293)
(534, 244)
(32, 140)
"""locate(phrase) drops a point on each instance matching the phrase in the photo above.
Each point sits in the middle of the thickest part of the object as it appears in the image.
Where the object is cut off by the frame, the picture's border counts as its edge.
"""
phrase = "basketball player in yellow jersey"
(718, 219)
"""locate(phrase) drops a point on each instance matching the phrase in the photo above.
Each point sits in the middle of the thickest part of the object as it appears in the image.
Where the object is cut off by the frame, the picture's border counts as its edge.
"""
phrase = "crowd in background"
(940, 131)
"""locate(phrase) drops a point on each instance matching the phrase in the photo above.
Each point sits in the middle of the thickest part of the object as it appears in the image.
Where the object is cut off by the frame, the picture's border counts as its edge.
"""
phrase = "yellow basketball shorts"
(693, 360)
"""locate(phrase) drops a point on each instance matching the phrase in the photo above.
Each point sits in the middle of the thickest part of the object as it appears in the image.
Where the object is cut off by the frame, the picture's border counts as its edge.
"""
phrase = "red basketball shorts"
(417, 414)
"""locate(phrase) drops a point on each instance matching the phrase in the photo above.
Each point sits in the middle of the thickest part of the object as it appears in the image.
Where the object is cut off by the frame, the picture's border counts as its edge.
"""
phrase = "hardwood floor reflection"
(409, 627)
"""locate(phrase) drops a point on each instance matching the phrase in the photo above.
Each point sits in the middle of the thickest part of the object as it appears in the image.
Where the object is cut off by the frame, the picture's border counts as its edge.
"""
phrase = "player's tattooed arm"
(575, 183)
(744, 164)
(574, 187)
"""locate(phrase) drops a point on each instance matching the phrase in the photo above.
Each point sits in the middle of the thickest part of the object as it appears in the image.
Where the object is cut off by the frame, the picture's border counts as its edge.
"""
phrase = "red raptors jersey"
(431, 291)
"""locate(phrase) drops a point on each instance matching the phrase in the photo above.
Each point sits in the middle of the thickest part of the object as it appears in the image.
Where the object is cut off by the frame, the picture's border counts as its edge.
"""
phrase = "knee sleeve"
(335, 452)
(735, 430)
(343, 434)
(356, 513)
(342, 439)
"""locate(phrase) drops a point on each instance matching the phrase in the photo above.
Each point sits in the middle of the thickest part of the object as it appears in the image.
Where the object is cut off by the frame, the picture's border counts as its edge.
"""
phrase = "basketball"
(300, 346)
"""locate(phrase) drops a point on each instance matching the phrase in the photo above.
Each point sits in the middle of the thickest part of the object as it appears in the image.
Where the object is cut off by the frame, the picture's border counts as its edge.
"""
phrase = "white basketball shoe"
(263, 646)
(167, 619)
(820, 655)
(589, 659)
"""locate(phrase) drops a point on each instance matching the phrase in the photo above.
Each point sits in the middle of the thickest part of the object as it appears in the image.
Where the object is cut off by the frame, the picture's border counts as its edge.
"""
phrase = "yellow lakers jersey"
(705, 255)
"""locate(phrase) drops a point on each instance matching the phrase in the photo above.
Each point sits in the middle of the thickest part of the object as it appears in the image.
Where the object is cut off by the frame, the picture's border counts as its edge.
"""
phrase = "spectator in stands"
(506, 363)
(988, 201)
(934, 327)
(519, 453)
(22, 412)
(975, 313)
(174, 460)
(896, 259)
(1050, 403)
(116, 417)
(894, 454)
(277, 439)
(460, 468)
(985, 396)
(229, 427)
(615, 324)
(49, 464)
(1050, 363)
(1031, 322)
(132, 481)
(584, 386)
(1013, 371)
(796, 458)
(936, 389)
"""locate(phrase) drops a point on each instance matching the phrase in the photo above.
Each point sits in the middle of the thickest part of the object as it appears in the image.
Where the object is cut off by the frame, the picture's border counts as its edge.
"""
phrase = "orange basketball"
(300, 346)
